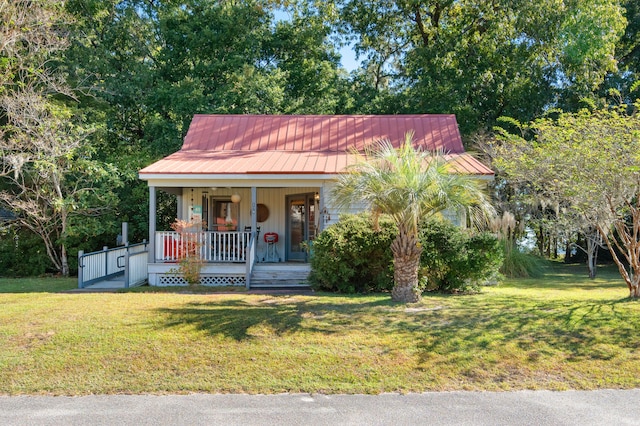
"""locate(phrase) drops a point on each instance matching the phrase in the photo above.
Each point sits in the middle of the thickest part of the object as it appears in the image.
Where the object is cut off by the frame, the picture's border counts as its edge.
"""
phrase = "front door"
(301, 213)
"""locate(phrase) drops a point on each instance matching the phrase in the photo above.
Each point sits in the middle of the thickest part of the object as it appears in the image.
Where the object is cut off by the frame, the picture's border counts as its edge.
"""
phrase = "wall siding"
(273, 198)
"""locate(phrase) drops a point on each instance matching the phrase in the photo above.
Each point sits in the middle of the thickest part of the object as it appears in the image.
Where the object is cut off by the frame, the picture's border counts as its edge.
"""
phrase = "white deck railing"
(100, 265)
(136, 270)
(209, 246)
(108, 263)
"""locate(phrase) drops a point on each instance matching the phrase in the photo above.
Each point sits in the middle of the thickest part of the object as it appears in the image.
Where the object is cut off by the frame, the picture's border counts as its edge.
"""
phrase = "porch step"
(280, 276)
(279, 286)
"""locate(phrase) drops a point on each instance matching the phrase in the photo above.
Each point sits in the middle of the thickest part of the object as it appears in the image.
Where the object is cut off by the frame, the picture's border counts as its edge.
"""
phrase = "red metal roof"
(303, 144)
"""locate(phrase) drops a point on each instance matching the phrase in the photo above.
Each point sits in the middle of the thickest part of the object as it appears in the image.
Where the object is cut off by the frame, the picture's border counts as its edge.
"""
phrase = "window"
(225, 215)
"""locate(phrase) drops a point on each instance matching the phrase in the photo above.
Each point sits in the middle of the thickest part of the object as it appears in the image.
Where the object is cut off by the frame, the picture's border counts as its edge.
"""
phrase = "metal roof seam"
(314, 144)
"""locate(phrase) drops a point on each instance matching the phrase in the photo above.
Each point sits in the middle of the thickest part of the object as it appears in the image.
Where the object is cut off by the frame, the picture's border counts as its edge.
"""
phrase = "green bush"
(350, 257)
(453, 260)
(519, 264)
(22, 254)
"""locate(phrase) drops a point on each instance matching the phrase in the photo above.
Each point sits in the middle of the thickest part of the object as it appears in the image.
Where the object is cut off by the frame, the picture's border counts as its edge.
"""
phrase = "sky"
(349, 58)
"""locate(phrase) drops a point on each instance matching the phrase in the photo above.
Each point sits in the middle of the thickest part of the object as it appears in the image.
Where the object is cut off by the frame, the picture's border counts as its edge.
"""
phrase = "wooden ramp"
(111, 283)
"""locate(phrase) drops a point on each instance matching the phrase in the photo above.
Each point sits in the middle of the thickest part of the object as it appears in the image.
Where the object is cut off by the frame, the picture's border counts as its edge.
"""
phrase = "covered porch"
(235, 228)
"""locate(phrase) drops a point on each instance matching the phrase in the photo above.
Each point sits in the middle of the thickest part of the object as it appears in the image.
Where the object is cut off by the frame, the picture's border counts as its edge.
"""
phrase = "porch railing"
(213, 246)
(108, 263)
(251, 258)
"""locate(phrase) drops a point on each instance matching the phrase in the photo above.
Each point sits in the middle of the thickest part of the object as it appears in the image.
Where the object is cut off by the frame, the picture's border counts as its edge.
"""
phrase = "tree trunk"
(632, 277)
(634, 290)
(64, 261)
(592, 259)
(567, 252)
(540, 240)
(547, 248)
(406, 260)
(64, 216)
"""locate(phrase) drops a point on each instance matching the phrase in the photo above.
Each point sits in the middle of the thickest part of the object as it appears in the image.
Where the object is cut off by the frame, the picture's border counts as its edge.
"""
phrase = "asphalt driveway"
(605, 407)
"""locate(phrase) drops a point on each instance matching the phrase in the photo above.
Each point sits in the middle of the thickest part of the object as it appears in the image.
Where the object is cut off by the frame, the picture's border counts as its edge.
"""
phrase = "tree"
(409, 184)
(535, 208)
(588, 162)
(47, 178)
(149, 66)
(627, 52)
(481, 59)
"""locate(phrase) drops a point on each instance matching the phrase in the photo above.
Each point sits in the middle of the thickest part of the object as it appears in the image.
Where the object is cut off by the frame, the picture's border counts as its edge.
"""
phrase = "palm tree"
(409, 184)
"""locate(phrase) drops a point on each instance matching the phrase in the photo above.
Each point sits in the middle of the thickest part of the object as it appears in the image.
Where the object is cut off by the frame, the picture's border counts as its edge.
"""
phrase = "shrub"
(350, 257)
(22, 254)
(453, 260)
(519, 264)
(189, 260)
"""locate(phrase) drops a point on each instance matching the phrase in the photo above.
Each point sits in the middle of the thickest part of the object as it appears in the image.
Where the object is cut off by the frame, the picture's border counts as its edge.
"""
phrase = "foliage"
(490, 58)
(188, 248)
(48, 175)
(453, 260)
(627, 54)
(518, 263)
(587, 163)
(22, 254)
(199, 56)
(409, 184)
(351, 257)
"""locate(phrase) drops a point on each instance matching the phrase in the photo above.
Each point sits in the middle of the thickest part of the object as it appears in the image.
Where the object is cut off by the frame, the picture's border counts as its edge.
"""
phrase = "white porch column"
(321, 207)
(152, 224)
(254, 208)
(179, 206)
(251, 253)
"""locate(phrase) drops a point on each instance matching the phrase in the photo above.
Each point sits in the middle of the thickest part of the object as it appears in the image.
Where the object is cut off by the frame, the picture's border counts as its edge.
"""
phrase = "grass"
(560, 331)
(37, 285)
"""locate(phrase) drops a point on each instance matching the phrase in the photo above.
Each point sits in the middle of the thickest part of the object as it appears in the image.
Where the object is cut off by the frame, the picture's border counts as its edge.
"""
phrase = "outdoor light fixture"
(316, 196)
(235, 198)
(327, 215)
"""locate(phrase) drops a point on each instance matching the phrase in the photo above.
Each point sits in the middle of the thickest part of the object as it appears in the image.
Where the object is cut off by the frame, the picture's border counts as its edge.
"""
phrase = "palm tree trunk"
(406, 259)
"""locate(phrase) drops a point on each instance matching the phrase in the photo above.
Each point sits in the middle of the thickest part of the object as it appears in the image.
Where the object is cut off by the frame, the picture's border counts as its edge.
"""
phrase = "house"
(259, 185)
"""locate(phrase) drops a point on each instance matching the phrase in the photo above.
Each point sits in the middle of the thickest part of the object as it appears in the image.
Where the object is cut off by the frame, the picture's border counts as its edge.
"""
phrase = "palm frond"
(409, 184)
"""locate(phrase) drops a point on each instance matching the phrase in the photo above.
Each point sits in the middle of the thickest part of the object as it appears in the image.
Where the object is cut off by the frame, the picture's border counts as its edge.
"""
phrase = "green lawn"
(36, 285)
(562, 331)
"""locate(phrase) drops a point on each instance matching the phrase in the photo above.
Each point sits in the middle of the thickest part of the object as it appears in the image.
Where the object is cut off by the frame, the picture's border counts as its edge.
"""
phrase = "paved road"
(607, 407)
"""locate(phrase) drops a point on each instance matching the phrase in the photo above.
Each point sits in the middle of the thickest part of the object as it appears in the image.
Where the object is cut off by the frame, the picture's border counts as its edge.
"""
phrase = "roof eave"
(247, 179)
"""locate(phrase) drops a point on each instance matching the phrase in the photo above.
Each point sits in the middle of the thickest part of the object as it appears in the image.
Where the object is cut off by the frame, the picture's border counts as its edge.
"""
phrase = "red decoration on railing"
(170, 248)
